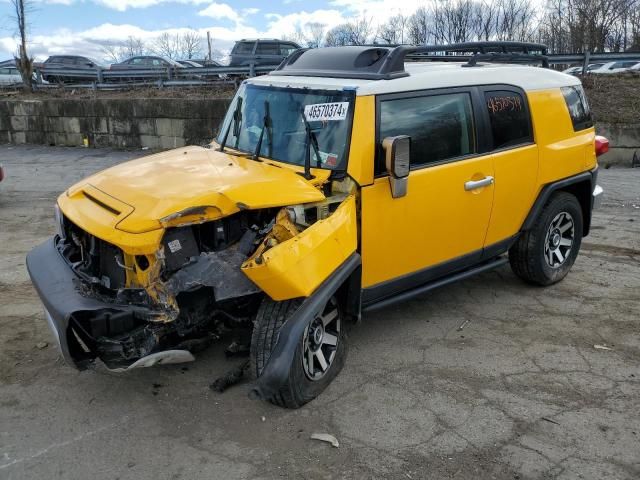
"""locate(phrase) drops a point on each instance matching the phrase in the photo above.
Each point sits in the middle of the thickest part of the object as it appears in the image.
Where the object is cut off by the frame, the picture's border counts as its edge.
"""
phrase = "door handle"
(473, 184)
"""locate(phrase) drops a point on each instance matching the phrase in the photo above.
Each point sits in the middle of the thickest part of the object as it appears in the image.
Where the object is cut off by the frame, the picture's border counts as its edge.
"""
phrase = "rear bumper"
(59, 289)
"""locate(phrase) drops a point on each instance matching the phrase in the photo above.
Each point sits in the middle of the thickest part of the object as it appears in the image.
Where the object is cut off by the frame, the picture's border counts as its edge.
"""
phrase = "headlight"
(59, 222)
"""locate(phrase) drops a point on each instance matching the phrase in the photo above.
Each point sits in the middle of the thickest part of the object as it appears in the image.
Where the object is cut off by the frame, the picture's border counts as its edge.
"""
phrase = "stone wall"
(624, 140)
(162, 123)
(156, 123)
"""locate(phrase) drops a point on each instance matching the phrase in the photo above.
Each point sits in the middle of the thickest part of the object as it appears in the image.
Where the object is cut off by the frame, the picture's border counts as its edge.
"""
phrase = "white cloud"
(250, 11)
(123, 5)
(220, 11)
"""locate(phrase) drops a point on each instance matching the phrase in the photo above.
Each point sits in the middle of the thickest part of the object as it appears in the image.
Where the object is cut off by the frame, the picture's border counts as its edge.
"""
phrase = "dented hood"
(193, 182)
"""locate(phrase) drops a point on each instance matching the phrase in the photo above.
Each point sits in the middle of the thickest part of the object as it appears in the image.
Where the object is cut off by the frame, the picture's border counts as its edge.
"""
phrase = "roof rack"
(381, 62)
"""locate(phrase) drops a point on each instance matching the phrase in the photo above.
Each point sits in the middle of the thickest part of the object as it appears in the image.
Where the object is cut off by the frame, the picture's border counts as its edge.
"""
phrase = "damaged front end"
(206, 277)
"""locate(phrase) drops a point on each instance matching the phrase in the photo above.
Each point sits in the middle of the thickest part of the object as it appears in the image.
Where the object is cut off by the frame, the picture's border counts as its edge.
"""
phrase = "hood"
(144, 194)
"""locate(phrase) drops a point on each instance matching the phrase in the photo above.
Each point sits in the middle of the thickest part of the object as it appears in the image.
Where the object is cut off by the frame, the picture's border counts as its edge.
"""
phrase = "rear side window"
(287, 49)
(268, 49)
(509, 118)
(440, 126)
(578, 107)
(243, 48)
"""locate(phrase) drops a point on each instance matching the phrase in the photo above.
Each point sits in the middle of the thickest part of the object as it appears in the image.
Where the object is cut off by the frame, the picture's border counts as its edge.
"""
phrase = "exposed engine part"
(219, 270)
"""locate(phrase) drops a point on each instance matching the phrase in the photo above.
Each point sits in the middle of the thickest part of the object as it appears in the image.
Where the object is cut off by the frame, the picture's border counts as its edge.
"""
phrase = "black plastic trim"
(549, 188)
(276, 371)
(456, 277)
(59, 290)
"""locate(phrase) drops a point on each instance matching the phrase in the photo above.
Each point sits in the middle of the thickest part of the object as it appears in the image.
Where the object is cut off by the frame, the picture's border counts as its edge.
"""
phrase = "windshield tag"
(322, 112)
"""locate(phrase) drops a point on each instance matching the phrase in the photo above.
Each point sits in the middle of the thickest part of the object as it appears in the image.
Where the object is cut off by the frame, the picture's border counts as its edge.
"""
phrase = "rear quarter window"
(508, 118)
(243, 48)
(578, 106)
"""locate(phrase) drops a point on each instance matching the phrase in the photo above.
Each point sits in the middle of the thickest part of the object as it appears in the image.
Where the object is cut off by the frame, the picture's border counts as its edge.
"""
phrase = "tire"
(301, 387)
(540, 256)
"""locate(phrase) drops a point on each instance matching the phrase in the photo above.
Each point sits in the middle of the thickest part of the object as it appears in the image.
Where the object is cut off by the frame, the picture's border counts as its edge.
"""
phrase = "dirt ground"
(519, 392)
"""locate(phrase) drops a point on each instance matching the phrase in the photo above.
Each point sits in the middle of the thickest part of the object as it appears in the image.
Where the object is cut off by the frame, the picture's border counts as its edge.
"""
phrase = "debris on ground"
(326, 437)
(41, 345)
(236, 349)
(230, 378)
(549, 420)
(602, 347)
(464, 324)
(263, 418)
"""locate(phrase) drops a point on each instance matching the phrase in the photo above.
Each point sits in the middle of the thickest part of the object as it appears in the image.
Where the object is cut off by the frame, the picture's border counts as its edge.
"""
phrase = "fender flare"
(276, 370)
(550, 188)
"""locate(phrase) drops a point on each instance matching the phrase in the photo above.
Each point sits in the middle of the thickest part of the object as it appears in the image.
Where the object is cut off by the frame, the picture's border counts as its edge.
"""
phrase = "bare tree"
(167, 45)
(314, 34)
(190, 45)
(23, 61)
(419, 27)
(356, 32)
(393, 31)
(132, 47)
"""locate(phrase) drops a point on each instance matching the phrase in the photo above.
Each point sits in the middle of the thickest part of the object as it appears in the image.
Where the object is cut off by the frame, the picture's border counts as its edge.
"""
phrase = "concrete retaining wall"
(156, 123)
(162, 123)
(625, 144)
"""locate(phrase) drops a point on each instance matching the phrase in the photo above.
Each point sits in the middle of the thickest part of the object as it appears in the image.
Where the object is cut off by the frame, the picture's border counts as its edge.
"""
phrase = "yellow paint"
(131, 204)
(516, 176)
(563, 152)
(436, 221)
(363, 135)
(160, 185)
(297, 267)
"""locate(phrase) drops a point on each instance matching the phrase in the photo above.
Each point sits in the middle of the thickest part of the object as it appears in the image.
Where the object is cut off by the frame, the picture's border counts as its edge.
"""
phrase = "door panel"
(516, 175)
(437, 221)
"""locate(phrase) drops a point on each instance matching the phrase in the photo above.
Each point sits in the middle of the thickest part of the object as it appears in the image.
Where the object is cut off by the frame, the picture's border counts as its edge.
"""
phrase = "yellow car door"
(440, 224)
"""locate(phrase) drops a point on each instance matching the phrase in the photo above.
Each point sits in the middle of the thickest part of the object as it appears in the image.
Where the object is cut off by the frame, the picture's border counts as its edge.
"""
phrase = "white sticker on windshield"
(322, 112)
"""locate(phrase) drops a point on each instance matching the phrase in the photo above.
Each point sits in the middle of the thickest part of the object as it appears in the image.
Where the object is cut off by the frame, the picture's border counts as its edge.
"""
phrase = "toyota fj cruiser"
(348, 179)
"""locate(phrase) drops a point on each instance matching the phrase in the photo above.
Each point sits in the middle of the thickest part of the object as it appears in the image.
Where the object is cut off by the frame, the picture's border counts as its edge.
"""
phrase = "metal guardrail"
(107, 79)
(104, 76)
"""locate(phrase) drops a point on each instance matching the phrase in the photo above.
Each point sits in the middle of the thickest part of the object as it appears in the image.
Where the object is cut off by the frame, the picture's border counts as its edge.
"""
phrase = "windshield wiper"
(235, 121)
(312, 141)
(266, 125)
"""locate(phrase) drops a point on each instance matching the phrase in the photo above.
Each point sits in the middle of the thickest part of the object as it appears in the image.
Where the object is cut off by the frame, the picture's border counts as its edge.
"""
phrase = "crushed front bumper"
(59, 290)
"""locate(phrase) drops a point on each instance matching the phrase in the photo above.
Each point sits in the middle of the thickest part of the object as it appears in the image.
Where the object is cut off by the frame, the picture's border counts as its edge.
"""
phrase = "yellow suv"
(348, 179)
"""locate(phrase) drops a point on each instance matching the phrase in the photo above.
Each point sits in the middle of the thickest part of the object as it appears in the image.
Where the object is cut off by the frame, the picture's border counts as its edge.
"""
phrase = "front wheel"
(544, 254)
(319, 356)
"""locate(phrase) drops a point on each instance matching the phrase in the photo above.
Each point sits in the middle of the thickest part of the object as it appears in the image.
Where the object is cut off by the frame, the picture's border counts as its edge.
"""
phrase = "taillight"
(602, 145)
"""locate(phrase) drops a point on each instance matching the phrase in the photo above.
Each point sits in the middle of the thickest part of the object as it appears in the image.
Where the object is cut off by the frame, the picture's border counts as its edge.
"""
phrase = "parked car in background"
(70, 62)
(613, 67)
(261, 52)
(147, 62)
(189, 64)
(576, 70)
(9, 75)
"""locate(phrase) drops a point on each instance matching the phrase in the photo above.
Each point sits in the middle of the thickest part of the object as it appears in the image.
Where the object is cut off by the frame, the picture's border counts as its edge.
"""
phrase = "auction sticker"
(322, 112)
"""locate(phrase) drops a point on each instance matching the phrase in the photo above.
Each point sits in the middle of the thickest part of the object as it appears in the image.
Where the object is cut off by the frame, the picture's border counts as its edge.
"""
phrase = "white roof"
(423, 75)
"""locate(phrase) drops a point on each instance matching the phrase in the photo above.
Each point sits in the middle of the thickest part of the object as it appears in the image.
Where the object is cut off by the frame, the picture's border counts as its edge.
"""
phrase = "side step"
(401, 297)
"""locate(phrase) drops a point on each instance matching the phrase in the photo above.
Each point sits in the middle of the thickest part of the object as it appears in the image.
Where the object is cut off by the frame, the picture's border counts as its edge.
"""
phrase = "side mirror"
(397, 152)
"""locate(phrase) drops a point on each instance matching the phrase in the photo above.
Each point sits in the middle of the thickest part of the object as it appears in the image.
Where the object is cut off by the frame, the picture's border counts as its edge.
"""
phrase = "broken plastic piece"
(159, 358)
(230, 378)
(602, 347)
(326, 437)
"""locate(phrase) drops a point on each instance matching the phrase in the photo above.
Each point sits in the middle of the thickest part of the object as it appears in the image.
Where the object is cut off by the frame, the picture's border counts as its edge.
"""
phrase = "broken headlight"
(59, 222)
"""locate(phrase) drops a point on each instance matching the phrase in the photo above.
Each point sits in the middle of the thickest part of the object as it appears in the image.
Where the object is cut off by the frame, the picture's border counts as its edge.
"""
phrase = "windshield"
(296, 119)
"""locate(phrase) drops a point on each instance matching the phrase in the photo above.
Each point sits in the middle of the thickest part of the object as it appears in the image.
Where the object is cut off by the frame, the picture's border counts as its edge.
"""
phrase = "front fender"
(298, 266)
(277, 369)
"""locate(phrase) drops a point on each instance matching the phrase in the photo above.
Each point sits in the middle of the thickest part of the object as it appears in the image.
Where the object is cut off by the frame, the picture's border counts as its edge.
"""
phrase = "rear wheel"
(319, 356)
(544, 254)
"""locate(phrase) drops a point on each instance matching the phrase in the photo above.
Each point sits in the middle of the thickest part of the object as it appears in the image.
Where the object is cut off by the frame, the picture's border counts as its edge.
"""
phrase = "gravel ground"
(520, 392)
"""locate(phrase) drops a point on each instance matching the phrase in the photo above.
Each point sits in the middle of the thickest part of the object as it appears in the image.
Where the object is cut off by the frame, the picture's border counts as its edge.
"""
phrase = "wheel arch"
(581, 186)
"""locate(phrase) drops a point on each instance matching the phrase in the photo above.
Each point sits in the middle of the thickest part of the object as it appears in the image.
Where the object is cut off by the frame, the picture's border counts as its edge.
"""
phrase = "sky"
(84, 27)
